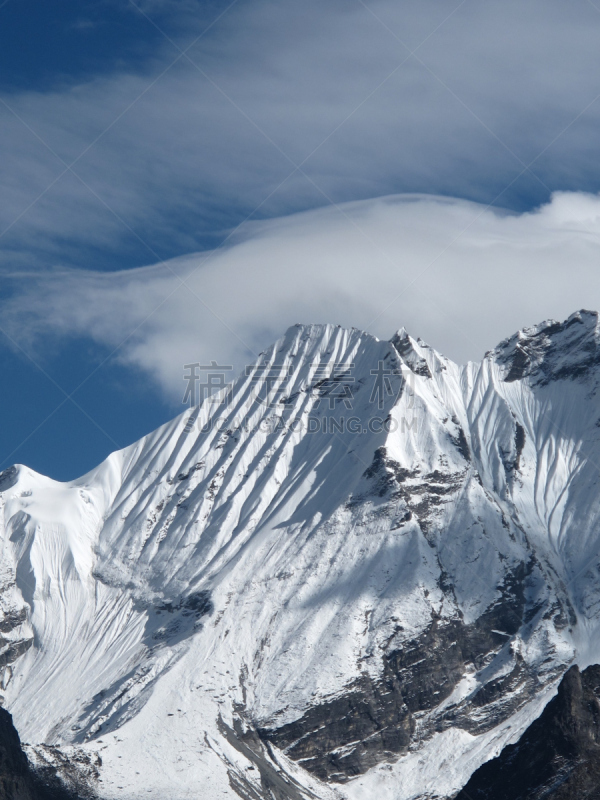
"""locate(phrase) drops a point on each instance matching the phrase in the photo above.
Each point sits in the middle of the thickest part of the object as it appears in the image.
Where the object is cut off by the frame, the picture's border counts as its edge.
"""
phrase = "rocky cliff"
(557, 757)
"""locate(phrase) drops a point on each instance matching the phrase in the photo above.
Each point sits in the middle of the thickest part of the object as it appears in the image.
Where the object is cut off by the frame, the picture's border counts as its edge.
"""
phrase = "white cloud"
(494, 85)
(458, 274)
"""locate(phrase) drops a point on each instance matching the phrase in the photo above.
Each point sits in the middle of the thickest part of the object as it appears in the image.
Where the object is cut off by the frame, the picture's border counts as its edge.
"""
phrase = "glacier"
(358, 571)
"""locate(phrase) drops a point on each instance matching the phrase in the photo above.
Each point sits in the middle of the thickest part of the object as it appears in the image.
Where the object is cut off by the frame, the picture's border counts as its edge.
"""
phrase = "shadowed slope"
(557, 757)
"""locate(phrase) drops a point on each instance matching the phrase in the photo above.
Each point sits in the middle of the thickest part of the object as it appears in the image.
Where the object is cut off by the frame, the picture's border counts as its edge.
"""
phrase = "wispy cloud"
(199, 145)
(458, 274)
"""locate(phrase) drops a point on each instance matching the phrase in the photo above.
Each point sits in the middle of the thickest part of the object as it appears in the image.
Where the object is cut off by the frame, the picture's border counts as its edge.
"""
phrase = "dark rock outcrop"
(376, 720)
(552, 350)
(557, 757)
(17, 780)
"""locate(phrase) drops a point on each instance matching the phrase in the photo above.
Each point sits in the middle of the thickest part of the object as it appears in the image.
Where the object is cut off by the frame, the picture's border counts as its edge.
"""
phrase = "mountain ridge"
(332, 602)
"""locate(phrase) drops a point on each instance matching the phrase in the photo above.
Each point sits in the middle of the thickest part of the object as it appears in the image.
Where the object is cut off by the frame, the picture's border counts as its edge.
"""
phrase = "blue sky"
(45, 46)
(138, 134)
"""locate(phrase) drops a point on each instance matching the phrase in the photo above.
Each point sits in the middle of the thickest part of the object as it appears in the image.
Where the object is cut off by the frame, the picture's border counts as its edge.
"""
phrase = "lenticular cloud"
(459, 274)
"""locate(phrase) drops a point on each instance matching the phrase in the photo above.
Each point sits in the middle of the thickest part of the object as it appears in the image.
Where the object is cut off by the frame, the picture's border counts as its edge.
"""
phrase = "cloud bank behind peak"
(459, 274)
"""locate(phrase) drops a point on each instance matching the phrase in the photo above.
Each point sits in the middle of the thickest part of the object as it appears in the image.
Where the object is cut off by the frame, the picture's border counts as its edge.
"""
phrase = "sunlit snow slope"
(357, 572)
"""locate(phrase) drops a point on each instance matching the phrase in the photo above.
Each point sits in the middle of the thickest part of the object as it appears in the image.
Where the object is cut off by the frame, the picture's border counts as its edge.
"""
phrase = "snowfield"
(357, 572)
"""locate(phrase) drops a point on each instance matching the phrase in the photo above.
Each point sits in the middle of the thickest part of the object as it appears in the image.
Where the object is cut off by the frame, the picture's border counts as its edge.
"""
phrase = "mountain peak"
(552, 350)
(410, 352)
(401, 334)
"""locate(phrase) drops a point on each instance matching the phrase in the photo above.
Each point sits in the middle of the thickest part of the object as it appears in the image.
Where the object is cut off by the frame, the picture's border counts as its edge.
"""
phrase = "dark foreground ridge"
(17, 780)
(557, 757)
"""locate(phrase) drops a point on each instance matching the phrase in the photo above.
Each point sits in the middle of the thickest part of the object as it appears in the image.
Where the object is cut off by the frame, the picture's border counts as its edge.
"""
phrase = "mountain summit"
(358, 571)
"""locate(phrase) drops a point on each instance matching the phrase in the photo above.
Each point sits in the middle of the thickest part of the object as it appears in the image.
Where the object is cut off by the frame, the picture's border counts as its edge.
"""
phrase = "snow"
(308, 569)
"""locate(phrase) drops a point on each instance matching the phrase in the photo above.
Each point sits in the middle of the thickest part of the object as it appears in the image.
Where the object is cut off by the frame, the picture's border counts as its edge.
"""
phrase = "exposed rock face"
(15, 778)
(534, 351)
(18, 781)
(376, 720)
(557, 757)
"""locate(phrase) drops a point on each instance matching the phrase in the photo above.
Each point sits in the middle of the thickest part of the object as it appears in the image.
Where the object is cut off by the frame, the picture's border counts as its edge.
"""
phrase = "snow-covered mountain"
(358, 571)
